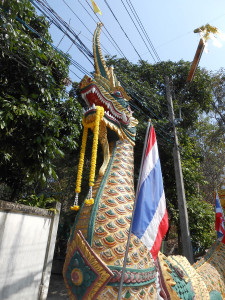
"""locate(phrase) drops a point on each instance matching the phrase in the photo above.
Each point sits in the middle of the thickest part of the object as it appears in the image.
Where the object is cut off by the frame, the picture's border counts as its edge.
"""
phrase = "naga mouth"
(93, 97)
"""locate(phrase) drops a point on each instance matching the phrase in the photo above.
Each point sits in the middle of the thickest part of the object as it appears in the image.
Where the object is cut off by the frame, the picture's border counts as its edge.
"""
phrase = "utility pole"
(184, 224)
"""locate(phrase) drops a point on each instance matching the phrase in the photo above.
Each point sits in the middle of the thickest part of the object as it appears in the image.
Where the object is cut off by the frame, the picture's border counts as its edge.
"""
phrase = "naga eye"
(118, 94)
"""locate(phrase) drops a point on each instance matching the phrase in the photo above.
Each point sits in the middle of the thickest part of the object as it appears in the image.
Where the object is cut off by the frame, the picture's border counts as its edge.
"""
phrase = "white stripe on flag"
(151, 232)
(149, 163)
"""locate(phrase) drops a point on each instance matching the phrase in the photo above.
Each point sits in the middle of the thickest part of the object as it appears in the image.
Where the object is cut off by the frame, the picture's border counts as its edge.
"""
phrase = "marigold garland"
(75, 207)
(90, 201)
(99, 115)
(81, 161)
(95, 127)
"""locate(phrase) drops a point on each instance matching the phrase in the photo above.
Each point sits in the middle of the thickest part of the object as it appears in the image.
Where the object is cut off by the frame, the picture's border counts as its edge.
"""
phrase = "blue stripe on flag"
(149, 196)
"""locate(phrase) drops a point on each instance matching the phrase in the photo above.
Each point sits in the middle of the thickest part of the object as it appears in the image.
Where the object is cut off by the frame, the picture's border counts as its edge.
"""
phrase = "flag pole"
(143, 156)
(135, 202)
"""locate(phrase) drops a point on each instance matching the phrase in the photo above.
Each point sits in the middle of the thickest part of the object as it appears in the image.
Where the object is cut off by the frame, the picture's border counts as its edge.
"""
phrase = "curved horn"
(100, 65)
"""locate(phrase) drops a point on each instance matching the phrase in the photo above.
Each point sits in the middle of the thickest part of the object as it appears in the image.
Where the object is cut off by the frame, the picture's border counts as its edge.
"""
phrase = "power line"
(159, 130)
(77, 16)
(112, 41)
(146, 108)
(136, 95)
(142, 28)
(122, 29)
(64, 27)
(85, 72)
(75, 74)
(73, 62)
(17, 58)
(138, 30)
(152, 113)
(82, 23)
(23, 63)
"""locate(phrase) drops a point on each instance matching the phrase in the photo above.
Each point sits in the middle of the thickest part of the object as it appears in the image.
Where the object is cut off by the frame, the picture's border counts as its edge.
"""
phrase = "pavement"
(57, 289)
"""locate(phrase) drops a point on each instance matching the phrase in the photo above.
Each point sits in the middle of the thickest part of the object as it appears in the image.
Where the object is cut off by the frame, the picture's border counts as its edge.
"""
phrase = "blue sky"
(169, 25)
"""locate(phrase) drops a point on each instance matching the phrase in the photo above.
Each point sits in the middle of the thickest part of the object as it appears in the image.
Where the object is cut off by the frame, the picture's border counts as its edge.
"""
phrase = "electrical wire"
(142, 28)
(138, 31)
(159, 129)
(58, 21)
(125, 57)
(24, 64)
(112, 41)
(152, 113)
(122, 29)
(73, 62)
(85, 71)
(136, 95)
(102, 47)
(64, 27)
(143, 108)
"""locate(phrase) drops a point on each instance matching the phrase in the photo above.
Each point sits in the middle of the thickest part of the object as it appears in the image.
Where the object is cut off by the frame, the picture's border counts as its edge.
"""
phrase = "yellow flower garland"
(80, 169)
(99, 116)
(94, 126)
(81, 161)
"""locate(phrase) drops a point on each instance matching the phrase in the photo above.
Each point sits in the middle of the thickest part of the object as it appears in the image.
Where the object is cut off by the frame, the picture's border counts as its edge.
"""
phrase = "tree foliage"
(37, 117)
(218, 85)
(210, 138)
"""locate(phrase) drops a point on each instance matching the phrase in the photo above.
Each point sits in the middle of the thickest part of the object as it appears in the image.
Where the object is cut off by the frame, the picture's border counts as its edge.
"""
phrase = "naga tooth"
(93, 90)
(124, 117)
(93, 106)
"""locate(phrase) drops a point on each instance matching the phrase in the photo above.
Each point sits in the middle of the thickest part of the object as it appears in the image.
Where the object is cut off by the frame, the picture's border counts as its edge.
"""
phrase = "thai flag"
(150, 222)
(219, 225)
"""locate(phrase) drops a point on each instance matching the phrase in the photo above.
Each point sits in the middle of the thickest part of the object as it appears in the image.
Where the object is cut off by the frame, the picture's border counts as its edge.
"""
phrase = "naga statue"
(98, 238)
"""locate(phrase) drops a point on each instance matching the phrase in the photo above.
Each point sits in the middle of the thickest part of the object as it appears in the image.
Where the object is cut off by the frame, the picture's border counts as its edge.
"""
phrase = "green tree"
(38, 120)
(218, 85)
(211, 140)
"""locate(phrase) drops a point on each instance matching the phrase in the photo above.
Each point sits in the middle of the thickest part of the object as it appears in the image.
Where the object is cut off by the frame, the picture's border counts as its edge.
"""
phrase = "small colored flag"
(96, 8)
(219, 225)
(150, 222)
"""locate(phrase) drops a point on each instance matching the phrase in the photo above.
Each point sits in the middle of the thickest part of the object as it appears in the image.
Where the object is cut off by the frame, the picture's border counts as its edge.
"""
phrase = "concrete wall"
(27, 242)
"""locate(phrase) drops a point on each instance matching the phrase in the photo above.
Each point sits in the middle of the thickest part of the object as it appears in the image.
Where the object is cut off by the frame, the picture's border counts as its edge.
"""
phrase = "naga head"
(105, 91)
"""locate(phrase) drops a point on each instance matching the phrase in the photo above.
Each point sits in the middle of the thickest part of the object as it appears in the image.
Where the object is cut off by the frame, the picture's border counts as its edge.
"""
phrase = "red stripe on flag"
(151, 141)
(163, 227)
(222, 230)
(218, 221)
(223, 240)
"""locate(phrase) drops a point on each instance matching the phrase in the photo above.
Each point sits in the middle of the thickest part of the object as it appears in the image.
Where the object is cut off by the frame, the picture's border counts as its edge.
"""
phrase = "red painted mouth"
(93, 96)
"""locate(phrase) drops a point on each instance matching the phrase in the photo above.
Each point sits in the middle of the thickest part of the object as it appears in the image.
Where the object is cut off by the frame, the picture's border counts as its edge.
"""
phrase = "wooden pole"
(196, 60)
(184, 224)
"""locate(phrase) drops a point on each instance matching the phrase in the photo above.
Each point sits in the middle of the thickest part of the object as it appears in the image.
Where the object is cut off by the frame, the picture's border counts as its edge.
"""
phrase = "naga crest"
(105, 91)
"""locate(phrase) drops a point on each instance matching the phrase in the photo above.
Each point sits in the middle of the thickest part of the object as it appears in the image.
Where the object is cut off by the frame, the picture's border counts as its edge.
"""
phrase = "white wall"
(27, 241)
